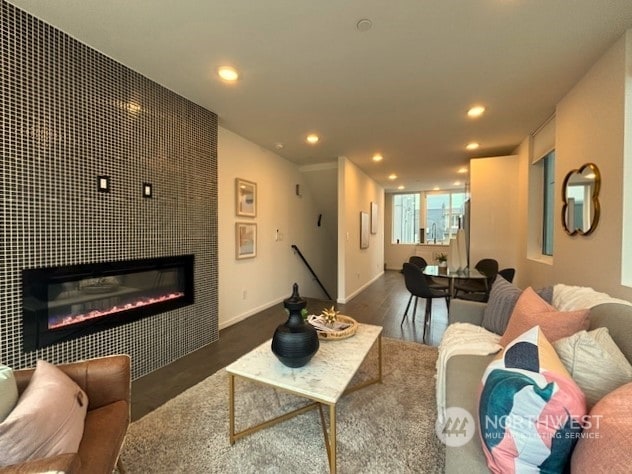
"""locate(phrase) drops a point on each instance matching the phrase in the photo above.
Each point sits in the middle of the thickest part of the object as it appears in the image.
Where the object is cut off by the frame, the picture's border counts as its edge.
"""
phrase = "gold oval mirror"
(580, 193)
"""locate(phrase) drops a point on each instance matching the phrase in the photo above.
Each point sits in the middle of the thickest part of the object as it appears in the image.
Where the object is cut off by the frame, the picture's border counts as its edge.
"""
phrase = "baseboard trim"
(250, 312)
(359, 290)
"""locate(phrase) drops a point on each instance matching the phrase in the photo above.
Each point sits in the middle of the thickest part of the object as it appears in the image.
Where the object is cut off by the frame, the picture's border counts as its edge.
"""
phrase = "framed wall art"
(245, 198)
(374, 217)
(364, 230)
(245, 240)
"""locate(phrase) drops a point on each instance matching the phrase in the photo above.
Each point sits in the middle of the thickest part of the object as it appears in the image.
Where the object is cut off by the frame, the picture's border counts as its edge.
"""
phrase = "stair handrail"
(309, 267)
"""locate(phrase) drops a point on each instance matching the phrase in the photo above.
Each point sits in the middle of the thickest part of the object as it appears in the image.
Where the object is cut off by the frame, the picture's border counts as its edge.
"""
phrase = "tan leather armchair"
(107, 382)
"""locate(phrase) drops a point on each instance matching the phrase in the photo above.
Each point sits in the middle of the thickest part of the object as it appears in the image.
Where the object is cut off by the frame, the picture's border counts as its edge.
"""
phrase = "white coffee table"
(324, 380)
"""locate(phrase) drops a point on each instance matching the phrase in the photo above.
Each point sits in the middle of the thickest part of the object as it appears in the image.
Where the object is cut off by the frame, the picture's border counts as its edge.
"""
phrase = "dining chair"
(478, 290)
(421, 263)
(417, 284)
(508, 274)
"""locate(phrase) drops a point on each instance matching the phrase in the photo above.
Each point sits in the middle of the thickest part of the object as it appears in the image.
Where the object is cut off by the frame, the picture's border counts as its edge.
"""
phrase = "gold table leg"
(231, 407)
(330, 438)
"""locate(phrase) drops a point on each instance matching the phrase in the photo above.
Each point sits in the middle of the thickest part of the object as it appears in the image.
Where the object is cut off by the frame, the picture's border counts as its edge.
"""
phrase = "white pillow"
(8, 391)
(595, 362)
(48, 419)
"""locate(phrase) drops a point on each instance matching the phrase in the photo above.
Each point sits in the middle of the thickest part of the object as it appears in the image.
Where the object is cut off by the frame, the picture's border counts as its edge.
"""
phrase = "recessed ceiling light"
(312, 139)
(436, 188)
(472, 146)
(279, 146)
(228, 73)
(377, 157)
(392, 176)
(401, 187)
(457, 183)
(476, 111)
(462, 170)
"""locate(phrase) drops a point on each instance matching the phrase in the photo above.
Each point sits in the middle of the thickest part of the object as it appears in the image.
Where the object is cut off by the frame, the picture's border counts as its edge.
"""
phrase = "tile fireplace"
(62, 303)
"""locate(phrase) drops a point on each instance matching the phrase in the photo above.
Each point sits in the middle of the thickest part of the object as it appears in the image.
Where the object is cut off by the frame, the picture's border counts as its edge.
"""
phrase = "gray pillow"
(502, 299)
(595, 362)
(546, 294)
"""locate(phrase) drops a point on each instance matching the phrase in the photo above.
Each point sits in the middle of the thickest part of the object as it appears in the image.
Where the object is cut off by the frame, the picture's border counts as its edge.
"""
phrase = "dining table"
(453, 275)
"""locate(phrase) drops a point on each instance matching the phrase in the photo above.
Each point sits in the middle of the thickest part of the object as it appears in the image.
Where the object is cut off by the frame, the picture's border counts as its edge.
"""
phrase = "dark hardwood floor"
(383, 303)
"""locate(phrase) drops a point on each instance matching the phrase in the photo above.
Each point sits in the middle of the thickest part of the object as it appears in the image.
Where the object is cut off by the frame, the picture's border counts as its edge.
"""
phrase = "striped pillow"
(502, 299)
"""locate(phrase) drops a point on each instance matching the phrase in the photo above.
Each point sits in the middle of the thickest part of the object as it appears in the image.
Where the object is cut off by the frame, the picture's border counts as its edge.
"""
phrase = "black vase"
(295, 342)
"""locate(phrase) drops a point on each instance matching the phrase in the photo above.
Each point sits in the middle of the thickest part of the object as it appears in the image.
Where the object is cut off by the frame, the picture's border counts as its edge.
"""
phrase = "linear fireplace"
(62, 303)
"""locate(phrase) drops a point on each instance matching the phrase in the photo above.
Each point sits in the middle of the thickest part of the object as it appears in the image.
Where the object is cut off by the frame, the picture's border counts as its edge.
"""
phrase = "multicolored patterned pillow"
(530, 409)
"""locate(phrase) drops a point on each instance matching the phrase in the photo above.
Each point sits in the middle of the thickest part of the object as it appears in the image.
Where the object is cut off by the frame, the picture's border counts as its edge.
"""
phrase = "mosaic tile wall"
(70, 114)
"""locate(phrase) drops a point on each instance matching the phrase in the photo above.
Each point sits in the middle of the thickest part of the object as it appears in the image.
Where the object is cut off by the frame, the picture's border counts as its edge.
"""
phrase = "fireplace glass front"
(62, 303)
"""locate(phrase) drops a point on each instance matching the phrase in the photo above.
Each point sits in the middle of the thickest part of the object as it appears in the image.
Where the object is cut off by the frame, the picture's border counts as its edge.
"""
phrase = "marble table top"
(326, 375)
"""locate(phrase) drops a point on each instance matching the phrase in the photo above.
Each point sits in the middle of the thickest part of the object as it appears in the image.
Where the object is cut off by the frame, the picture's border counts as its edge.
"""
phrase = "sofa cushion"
(531, 310)
(595, 363)
(463, 379)
(48, 419)
(8, 391)
(530, 409)
(605, 443)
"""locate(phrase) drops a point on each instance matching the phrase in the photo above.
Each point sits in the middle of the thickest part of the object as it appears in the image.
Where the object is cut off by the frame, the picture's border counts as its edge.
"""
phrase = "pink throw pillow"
(531, 310)
(48, 419)
(604, 445)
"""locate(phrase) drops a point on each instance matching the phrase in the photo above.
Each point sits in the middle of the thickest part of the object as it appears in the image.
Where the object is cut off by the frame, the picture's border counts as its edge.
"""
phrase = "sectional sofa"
(463, 384)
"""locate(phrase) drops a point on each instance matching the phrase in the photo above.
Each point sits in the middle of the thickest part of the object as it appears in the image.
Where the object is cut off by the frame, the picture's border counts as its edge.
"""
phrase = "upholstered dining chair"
(417, 285)
(418, 261)
(478, 290)
(432, 283)
(508, 274)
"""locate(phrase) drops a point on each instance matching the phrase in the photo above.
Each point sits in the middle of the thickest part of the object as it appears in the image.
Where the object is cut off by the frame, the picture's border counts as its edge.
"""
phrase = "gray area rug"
(383, 428)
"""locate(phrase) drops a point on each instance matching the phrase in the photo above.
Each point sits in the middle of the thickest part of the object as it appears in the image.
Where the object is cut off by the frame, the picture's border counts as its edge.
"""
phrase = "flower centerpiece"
(442, 259)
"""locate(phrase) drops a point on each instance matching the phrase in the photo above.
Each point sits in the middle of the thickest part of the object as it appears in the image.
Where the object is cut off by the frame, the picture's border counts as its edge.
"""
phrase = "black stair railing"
(309, 267)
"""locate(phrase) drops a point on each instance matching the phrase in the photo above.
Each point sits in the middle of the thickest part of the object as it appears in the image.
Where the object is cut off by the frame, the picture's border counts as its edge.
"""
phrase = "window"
(405, 219)
(444, 214)
(548, 219)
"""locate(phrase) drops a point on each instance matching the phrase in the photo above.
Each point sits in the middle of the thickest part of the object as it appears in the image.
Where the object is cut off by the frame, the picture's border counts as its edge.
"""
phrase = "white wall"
(322, 183)
(590, 127)
(494, 210)
(357, 268)
(266, 279)
(532, 269)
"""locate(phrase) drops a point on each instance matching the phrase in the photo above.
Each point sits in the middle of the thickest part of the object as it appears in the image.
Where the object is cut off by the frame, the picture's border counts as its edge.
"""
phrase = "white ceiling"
(402, 88)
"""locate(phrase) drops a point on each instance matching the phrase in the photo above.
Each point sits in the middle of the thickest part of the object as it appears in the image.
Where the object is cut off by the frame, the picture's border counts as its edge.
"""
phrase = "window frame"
(415, 223)
(452, 217)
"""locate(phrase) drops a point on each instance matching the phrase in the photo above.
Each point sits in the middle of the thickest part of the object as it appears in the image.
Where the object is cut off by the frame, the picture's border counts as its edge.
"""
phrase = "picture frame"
(245, 198)
(245, 240)
(373, 217)
(364, 230)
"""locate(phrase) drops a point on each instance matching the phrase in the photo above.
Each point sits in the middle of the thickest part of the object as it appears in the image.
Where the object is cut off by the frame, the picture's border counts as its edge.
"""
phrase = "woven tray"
(345, 333)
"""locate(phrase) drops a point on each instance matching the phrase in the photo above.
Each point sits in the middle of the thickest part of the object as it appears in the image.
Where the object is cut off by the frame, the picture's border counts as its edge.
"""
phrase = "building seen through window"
(444, 215)
(405, 218)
